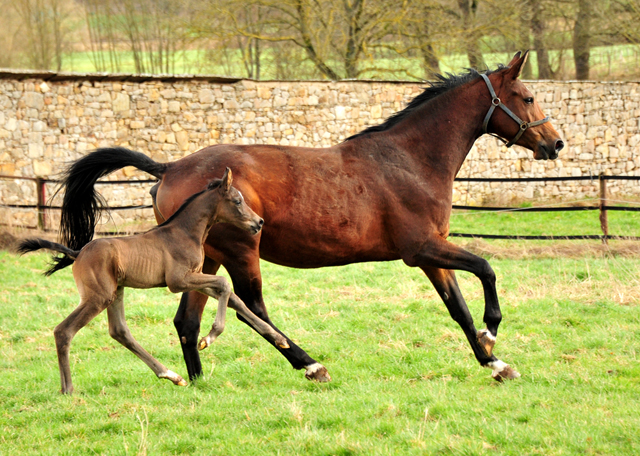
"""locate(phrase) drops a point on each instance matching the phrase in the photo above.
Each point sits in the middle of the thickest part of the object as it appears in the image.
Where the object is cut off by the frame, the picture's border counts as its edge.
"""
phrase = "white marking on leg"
(502, 370)
(497, 365)
(312, 368)
(488, 335)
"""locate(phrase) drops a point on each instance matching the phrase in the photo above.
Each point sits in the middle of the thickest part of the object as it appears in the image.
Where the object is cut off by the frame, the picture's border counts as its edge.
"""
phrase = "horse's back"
(321, 207)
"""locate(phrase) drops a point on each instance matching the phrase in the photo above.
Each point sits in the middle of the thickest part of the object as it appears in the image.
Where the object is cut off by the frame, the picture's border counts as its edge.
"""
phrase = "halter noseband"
(496, 102)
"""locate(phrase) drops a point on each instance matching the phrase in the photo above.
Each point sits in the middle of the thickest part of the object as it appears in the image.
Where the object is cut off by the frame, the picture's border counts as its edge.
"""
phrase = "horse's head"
(515, 114)
(232, 207)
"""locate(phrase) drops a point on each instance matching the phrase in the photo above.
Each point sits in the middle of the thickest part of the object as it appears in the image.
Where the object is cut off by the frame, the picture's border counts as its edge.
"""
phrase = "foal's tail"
(31, 245)
(81, 204)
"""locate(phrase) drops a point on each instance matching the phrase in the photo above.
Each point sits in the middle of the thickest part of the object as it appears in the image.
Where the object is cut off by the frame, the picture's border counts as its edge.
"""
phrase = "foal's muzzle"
(257, 226)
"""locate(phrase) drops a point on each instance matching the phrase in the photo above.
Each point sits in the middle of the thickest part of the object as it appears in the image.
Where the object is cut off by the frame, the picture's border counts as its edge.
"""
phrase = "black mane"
(212, 185)
(441, 85)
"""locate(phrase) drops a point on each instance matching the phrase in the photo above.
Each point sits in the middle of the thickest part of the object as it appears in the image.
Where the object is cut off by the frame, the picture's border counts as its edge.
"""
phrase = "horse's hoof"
(182, 382)
(203, 344)
(317, 372)
(486, 341)
(502, 371)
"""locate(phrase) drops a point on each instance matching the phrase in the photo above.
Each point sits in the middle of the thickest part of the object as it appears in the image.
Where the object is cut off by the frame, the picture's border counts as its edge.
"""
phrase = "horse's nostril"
(261, 222)
(559, 145)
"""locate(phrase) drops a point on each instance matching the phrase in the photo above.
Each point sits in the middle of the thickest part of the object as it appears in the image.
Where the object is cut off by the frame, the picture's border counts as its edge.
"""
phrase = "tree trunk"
(469, 9)
(538, 29)
(307, 43)
(353, 49)
(524, 38)
(582, 39)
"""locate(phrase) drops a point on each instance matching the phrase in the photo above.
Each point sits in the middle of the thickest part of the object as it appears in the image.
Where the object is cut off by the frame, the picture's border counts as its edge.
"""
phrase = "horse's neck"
(440, 134)
(195, 219)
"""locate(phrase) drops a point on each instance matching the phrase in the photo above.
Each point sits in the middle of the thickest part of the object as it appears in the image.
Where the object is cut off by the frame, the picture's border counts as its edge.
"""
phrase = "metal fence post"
(604, 223)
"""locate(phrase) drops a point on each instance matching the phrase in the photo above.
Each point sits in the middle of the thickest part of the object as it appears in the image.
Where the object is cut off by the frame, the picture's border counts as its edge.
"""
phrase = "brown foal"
(170, 255)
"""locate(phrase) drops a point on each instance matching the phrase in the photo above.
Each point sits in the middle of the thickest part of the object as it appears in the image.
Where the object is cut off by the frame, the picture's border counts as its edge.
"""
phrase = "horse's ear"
(514, 59)
(227, 180)
(517, 64)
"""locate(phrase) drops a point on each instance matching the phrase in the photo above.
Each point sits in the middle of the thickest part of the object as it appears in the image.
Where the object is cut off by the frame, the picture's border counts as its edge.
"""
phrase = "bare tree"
(150, 29)
(582, 38)
(335, 35)
(44, 28)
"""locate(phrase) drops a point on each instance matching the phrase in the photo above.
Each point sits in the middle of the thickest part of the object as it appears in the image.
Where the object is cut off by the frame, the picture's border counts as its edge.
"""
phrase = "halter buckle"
(496, 101)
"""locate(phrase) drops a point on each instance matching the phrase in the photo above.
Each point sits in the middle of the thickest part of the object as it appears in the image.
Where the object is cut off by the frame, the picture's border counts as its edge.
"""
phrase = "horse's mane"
(212, 185)
(435, 88)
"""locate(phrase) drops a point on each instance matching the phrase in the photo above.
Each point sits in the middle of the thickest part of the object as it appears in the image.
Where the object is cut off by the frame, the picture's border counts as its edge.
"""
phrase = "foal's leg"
(218, 287)
(119, 330)
(88, 309)
(438, 256)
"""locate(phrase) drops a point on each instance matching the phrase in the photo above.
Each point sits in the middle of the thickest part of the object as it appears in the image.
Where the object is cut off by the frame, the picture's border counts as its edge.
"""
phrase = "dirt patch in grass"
(9, 238)
(568, 249)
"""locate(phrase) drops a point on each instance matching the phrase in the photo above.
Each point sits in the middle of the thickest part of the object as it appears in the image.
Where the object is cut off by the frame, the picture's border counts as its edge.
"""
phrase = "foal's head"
(231, 207)
(539, 137)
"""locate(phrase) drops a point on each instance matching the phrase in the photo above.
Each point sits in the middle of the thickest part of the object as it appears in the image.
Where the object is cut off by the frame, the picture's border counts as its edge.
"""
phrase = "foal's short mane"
(441, 85)
(212, 185)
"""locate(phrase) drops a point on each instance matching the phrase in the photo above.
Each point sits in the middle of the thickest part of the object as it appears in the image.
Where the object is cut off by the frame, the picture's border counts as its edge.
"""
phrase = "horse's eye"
(238, 203)
(528, 100)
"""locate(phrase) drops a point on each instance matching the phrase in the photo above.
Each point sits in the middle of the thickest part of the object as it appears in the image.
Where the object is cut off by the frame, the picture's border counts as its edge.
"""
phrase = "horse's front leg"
(438, 259)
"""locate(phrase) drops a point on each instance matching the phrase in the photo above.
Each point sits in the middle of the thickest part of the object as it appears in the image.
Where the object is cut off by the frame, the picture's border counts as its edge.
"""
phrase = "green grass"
(578, 223)
(404, 378)
(607, 62)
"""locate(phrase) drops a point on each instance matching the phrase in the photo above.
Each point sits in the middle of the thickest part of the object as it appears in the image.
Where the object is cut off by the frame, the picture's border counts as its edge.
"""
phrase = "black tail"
(31, 245)
(81, 204)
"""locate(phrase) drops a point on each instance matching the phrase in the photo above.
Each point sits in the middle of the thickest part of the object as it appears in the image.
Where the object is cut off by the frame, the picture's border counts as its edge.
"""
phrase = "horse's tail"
(81, 204)
(31, 245)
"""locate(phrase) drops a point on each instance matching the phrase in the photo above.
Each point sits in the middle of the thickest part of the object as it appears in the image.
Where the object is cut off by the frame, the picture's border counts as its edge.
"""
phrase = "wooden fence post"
(42, 216)
(604, 223)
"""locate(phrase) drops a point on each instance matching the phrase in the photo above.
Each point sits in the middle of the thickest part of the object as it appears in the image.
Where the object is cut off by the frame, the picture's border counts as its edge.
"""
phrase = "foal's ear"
(227, 180)
(517, 64)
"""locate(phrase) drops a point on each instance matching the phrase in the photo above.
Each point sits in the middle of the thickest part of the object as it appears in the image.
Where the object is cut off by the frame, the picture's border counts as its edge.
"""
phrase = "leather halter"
(496, 102)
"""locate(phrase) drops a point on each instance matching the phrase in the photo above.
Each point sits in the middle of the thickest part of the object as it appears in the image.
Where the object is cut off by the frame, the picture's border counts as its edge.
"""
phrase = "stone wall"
(50, 119)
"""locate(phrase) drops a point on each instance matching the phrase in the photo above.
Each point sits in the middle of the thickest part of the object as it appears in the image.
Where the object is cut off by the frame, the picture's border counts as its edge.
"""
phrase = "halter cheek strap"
(497, 103)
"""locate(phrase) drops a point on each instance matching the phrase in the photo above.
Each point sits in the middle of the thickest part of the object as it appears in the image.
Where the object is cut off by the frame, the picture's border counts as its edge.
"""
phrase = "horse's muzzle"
(547, 151)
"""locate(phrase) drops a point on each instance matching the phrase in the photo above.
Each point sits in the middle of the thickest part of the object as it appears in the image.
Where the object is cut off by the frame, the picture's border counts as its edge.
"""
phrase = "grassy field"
(404, 379)
(617, 62)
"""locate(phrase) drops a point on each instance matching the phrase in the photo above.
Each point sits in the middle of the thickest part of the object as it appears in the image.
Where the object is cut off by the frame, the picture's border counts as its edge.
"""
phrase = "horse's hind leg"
(247, 282)
(68, 328)
(119, 330)
(218, 287)
(187, 322)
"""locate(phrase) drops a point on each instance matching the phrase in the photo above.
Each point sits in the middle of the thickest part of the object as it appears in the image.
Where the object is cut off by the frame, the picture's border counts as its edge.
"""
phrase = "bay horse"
(383, 194)
(168, 255)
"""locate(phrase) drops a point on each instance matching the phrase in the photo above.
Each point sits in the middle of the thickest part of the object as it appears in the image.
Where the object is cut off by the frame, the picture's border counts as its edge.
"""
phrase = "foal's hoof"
(486, 341)
(281, 341)
(203, 344)
(502, 371)
(317, 372)
(175, 378)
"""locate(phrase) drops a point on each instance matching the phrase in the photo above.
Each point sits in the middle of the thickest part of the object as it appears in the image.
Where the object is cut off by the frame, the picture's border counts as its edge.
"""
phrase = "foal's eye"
(528, 100)
(238, 203)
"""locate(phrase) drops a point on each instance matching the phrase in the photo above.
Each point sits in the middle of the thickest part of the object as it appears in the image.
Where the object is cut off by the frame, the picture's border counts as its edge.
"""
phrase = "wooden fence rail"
(42, 207)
